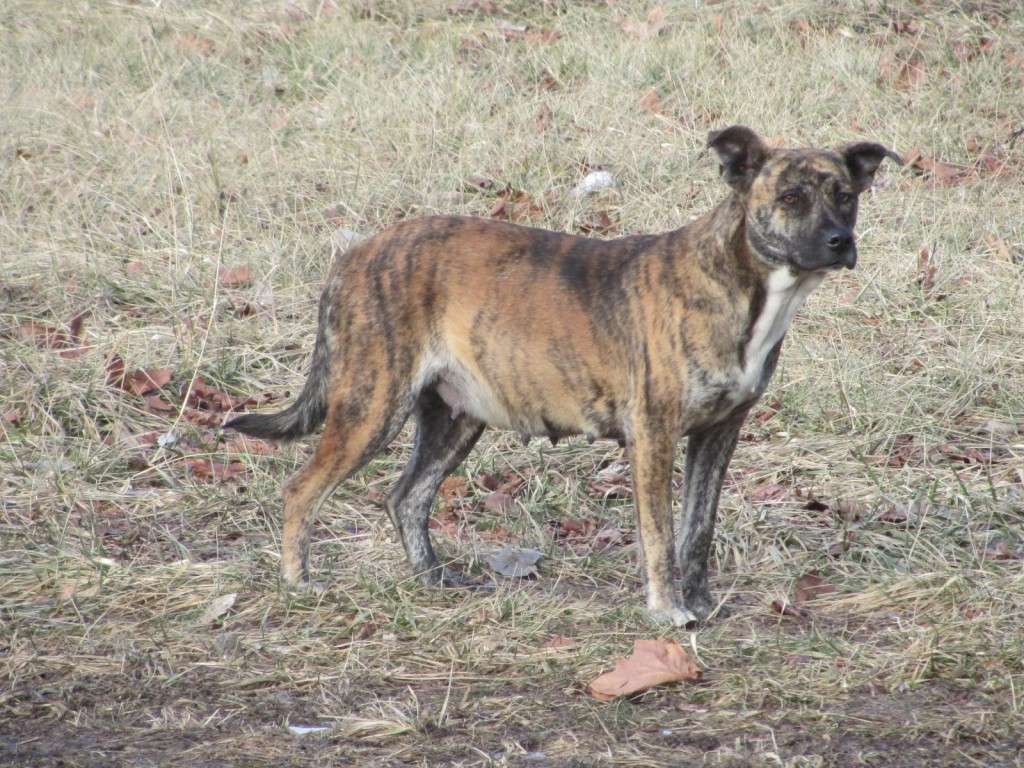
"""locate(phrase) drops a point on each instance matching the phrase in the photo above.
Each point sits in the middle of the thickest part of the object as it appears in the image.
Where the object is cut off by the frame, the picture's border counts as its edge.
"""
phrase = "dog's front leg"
(708, 453)
(651, 453)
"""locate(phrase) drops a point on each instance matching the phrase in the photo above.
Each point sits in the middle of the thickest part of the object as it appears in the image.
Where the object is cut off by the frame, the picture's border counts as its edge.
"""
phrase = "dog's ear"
(863, 158)
(741, 153)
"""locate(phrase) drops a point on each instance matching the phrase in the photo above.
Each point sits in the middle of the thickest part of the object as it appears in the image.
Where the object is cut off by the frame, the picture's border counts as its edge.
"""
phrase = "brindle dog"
(465, 322)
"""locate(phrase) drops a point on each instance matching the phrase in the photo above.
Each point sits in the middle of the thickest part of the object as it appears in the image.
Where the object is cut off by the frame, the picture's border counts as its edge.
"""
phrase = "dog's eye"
(844, 197)
(790, 199)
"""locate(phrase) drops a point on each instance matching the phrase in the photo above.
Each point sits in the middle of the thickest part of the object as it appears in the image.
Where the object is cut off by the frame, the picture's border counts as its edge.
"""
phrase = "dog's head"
(801, 204)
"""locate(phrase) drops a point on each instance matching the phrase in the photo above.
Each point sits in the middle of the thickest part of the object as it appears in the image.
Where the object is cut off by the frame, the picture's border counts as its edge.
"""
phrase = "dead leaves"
(138, 382)
(613, 482)
(647, 29)
(67, 341)
(808, 589)
(464, 503)
(941, 173)
(908, 450)
(515, 205)
(653, 662)
(199, 404)
(234, 277)
(903, 71)
(989, 159)
(528, 33)
(927, 270)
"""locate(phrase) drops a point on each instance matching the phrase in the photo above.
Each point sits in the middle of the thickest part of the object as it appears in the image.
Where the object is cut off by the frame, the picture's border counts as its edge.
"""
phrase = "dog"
(465, 322)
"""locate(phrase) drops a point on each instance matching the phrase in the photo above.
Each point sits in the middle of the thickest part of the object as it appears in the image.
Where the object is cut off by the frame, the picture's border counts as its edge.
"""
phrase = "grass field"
(171, 174)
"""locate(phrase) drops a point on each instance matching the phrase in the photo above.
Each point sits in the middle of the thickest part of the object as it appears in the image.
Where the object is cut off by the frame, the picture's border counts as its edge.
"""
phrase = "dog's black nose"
(840, 242)
(838, 239)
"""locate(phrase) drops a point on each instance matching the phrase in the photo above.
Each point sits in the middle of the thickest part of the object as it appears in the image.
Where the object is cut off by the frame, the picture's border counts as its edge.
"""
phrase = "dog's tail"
(310, 408)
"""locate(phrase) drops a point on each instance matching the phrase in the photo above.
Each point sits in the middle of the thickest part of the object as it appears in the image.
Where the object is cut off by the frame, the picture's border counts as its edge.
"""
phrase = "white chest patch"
(786, 293)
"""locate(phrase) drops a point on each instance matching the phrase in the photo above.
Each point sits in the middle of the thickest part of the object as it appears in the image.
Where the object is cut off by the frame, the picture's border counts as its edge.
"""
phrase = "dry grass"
(144, 146)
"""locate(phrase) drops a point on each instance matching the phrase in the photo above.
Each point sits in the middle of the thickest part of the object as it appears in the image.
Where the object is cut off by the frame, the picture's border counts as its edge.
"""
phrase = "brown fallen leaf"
(654, 25)
(943, 173)
(453, 487)
(207, 469)
(769, 492)
(509, 482)
(849, 510)
(653, 662)
(895, 515)
(903, 71)
(969, 48)
(156, 404)
(926, 271)
(611, 489)
(12, 416)
(789, 610)
(41, 335)
(68, 341)
(843, 545)
(598, 223)
(234, 277)
(206, 397)
(250, 445)
(810, 587)
(998, 549)
(573, 529)
(499, 502)
(650, 102)
(138, 382)
(515, 205)
(513, 32)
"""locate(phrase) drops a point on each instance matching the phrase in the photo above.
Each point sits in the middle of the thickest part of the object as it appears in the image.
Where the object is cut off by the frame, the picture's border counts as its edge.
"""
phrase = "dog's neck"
(773, 294)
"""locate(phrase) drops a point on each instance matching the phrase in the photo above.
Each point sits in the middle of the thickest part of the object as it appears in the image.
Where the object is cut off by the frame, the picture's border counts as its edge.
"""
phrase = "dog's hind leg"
(354, 432)
(441, 443)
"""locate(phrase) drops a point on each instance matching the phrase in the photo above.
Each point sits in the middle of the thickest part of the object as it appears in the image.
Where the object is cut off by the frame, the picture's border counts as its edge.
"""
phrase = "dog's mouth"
(846, 260)
(835, 251)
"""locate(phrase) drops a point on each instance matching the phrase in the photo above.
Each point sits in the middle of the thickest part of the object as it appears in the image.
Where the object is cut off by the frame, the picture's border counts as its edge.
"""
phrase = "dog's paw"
(677, 617)
(304, 586)
(452, 579)
(445, 578)
(700, 603)
(673, 613)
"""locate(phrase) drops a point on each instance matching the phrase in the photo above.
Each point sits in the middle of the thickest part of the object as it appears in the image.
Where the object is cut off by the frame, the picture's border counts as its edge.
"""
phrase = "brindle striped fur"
(465, 322)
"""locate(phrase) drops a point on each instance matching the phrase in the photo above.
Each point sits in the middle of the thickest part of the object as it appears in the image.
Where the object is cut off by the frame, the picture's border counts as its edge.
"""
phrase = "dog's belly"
(517, 403)
(464, 394)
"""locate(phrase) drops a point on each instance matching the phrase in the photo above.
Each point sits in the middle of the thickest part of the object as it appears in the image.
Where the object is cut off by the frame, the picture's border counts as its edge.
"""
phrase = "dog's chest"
(785, 293)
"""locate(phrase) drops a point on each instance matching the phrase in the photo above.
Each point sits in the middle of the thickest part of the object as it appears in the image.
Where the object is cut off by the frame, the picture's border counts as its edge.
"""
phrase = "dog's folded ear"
(863, 158)
(740, 152)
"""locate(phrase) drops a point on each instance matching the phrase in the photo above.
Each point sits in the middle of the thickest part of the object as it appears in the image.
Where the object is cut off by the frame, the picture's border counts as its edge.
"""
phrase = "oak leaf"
(653, 662)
